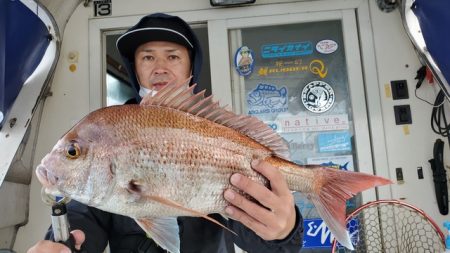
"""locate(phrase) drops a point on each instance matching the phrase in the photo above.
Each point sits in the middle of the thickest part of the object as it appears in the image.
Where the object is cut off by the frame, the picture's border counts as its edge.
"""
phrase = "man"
(158, 51)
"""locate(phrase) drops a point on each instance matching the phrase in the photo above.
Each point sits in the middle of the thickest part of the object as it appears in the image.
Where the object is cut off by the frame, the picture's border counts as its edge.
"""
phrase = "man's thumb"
(79, 238)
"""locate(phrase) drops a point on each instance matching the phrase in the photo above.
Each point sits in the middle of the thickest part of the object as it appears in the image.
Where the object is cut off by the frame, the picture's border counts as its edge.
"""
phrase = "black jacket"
(197, 235)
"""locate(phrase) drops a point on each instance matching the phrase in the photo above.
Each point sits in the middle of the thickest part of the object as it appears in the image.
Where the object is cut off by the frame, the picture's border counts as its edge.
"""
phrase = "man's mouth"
(158, 86)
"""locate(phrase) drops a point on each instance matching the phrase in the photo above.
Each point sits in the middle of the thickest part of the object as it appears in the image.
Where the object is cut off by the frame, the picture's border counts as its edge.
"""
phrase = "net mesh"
(392, 226)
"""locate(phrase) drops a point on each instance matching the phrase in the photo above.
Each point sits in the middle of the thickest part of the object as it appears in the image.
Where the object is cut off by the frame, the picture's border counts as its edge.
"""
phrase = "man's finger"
(46, 246)
(79, 238)
(277, 181)
(256, 190)
(238, 215)
(256, 211)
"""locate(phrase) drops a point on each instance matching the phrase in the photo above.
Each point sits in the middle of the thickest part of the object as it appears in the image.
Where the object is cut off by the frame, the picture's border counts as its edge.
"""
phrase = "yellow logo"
(263, 71)
(318, 68)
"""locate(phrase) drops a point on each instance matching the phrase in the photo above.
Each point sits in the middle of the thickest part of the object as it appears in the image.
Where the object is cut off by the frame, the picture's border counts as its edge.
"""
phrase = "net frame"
(391, 231)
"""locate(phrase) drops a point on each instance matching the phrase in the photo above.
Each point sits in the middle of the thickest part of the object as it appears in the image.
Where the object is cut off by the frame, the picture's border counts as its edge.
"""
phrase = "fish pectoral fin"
(164, 231)
(176, 205)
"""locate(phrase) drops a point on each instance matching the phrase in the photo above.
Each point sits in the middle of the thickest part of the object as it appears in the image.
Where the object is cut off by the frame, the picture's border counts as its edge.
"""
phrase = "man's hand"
(53, 247)
(274, 222)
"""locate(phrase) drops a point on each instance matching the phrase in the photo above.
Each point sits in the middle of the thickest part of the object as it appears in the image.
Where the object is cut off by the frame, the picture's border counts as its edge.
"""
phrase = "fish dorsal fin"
(178, 96)
(163, 230)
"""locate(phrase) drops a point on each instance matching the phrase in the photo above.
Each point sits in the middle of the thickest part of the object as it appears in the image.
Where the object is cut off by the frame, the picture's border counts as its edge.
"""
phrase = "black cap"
(155, 27)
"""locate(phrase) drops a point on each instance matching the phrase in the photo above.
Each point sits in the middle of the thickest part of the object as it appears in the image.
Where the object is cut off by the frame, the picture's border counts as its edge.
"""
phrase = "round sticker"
(318, 96)
(326, 46)
(243, 60)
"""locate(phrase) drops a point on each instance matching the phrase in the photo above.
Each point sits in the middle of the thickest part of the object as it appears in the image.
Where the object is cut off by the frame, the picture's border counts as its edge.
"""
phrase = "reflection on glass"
(117, 92)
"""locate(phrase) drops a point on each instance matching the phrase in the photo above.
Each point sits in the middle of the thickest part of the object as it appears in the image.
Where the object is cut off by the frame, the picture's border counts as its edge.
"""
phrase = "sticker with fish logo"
(343, 162)
(332, 142)
(267, 98)
(318, 96)
(244, 61)
(326, 46)
(289, 49)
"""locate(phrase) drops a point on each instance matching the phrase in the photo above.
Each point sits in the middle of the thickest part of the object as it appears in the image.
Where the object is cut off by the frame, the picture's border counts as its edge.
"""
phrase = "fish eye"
(73, 151)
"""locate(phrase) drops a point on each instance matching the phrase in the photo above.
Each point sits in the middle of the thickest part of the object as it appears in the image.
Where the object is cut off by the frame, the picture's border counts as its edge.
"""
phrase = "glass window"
(294, 78)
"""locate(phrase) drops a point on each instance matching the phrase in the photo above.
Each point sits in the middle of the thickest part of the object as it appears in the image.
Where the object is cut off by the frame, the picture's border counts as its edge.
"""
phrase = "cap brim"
(130, 41)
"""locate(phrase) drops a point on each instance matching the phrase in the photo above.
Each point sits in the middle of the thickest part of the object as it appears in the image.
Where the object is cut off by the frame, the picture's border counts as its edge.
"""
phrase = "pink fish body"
(173, 155)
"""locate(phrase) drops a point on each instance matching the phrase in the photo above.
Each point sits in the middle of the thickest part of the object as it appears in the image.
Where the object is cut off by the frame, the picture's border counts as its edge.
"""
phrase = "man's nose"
(160, 66)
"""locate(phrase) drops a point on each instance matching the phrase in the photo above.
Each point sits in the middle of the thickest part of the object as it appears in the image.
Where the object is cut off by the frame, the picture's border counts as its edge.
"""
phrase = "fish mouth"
(46, 177)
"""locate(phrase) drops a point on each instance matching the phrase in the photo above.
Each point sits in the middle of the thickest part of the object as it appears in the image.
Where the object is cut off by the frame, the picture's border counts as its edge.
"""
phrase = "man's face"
(160, 62)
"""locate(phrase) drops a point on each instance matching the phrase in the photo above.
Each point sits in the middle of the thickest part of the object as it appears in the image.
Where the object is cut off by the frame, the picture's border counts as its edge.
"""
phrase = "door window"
(294, 77)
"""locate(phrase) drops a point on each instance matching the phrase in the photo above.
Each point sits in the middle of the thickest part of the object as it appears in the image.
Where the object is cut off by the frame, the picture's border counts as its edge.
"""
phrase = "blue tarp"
(23, 42)
(434, 20)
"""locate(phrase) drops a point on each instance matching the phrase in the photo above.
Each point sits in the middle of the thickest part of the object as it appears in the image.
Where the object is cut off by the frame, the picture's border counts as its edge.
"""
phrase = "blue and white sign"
(243, 60)
(289, 49)
(318, 235)
(267, 98)
(332, 142)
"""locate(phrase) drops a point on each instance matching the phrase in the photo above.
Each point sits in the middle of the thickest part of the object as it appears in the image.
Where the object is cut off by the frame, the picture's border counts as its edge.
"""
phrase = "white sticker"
(318, 96)
(317, 123)
(1, 117)
(326, 46)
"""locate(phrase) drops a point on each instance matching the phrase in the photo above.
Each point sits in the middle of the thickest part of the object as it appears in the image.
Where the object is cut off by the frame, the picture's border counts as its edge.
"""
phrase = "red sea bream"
(173, 155)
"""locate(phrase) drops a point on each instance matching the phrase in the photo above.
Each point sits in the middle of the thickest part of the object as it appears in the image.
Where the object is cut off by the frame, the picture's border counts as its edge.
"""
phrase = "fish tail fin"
(330, 197)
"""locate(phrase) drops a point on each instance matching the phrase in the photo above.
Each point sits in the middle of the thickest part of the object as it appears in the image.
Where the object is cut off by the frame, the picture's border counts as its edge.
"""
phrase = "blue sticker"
(244, 61)
(267, 98)
(286, 49)
(331, 164)
(318, 235)
(331, 142)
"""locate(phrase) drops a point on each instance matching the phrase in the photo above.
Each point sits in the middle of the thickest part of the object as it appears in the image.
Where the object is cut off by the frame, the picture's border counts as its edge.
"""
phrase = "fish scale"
(205, 163)
(173, 155)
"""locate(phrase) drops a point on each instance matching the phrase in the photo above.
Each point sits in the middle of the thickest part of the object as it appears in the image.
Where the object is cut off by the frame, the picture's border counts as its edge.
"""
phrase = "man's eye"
(148, 58)
(174, 57)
